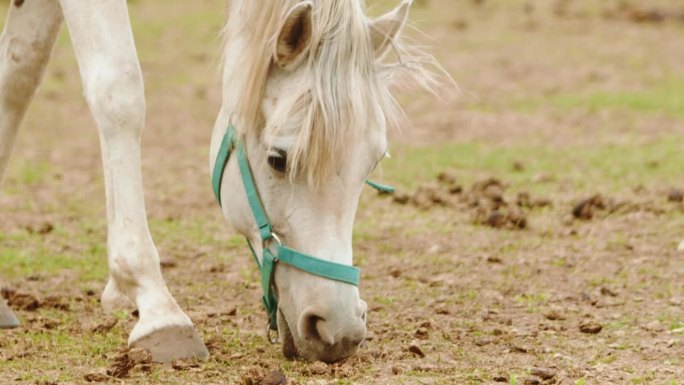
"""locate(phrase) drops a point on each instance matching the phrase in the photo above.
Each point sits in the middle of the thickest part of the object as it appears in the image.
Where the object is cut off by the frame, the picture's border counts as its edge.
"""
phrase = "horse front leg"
(113, 86)
(25, 47)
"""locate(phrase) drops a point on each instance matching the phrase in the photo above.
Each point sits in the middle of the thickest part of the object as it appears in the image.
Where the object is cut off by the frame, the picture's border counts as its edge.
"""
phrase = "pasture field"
(476, 272)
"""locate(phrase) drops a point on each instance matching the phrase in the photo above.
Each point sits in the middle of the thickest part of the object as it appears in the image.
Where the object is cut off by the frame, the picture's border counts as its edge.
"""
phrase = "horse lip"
(289, 348)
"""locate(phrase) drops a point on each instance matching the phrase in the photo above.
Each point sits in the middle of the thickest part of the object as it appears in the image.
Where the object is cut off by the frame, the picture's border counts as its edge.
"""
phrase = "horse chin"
(289, 347)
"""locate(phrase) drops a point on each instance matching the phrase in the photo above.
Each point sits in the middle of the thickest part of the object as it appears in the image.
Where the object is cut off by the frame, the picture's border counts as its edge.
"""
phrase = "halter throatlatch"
(273, 250)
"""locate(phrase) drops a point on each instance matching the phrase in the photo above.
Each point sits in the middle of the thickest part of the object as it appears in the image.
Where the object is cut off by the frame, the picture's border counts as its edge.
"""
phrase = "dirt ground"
(533, 238)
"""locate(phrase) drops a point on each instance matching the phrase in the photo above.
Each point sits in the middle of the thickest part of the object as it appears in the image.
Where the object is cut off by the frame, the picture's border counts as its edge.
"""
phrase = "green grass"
(665, 97)
(22, 260)
(606, 167)
(34, 172)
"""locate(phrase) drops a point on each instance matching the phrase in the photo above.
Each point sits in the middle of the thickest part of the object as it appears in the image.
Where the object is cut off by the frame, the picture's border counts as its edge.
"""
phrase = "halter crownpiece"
(273, 249)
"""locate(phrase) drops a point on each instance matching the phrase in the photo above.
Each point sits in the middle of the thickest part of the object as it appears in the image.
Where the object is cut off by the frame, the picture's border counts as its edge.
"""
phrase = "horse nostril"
(311, 328)
(342, 332)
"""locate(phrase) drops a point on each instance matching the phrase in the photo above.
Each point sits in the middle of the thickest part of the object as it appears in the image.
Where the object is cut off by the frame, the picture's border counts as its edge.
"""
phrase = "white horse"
(306, 90)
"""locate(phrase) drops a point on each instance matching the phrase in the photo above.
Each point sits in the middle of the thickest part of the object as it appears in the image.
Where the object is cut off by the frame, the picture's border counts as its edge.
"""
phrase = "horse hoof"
(7, 318)
(173, 343)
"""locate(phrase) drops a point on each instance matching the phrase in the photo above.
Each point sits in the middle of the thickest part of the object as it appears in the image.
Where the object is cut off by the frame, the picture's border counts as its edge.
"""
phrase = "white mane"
(347, 89)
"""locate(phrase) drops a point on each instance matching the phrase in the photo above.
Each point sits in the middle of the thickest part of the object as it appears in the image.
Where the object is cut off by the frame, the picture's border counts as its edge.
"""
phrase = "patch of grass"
(612, 167)
(34, 172)
(665, 97)
(21, 262)
(676, 325)
(533, 300)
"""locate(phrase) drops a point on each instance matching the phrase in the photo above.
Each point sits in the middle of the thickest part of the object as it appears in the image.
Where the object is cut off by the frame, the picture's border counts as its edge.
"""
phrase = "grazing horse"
(306, 104)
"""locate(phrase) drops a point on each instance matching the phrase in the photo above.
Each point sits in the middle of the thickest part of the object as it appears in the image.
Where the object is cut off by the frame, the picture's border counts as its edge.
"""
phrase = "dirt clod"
(605, 290)
(494, 259)
(167, 263)
(500, 378)
(421, 333)
(554, 315)
(96, 377)
(43, 228)
(55, 302)
(7, 292)
(105, 326)
(415, 349)
(543, 373)
(253, 375)
(542, 178)
(430, 195)
(344, 370)
(496, 219)
(675, 195)
(511, 219)
(532, 380)
(23, 301)
(447, 177)
(127, 359)
(182, 365)
(274, 377)
(490, 188)
(590, 327)
(319, 368)
(518, 166)
(524, 200)
(401, 198)
(587, 208)
(519, 348)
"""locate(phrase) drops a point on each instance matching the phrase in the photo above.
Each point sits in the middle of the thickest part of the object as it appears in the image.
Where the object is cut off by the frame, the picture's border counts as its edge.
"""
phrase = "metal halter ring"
(273, 336)
(274, 237)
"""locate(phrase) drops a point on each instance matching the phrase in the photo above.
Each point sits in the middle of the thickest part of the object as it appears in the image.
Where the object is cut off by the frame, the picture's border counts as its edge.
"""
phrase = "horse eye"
(278, 160)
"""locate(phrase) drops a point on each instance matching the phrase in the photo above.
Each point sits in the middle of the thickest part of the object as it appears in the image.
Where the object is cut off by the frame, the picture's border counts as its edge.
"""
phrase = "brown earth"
(478, 282)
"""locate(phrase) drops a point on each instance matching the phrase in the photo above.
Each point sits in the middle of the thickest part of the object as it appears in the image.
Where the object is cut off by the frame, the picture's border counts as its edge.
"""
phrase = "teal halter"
(278, 252)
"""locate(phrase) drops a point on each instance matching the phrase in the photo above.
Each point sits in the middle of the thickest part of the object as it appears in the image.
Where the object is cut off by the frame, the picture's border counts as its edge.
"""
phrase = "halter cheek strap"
(273, 250)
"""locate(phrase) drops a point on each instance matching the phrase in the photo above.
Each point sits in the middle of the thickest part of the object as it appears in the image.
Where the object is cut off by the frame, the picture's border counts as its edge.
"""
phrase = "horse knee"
(115, 95)
(22, 68)
(25, 51)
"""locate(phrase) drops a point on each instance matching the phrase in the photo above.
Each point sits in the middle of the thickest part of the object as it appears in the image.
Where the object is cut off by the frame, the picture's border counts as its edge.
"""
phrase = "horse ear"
(294, 38)
(386, 28)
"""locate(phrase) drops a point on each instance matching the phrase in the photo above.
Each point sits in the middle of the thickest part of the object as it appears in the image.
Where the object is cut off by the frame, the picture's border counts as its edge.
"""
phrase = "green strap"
(268, 261)
(319, 267)
(381, 187)
(222, 161)
(265, 228)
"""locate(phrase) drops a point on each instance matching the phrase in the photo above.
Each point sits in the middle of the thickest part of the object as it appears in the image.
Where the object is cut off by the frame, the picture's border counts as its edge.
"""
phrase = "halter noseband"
(277, 252)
